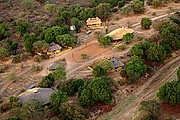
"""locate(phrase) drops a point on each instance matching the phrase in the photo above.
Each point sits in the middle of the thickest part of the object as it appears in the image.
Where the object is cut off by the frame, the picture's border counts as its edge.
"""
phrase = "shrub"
(47, 81)
(114, 10)
(22, 27)
(4, 31)
(106, 65)
(121, 47)
(146, 23)
(156, 3)
(37, 58)
(121, 3)
(40, 46)
(72, 111)
(127, 10)
(98, 71)
(5, 106)
(27, 4)
(170, 92)
(16, 58)
(14, 101)
(138, 6)
(36, 68)
(84, 56)
(98, 34)
(135, 68)
(3, 52)
(28, 40)
(104, 41)
(127, 37)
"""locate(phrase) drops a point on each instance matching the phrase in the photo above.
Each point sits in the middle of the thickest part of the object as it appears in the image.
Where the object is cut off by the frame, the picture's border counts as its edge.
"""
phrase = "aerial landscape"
(89, 59)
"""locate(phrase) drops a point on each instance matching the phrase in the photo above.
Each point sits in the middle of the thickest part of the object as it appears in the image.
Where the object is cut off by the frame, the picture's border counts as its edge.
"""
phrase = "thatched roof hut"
(118, 33)
(40, 94)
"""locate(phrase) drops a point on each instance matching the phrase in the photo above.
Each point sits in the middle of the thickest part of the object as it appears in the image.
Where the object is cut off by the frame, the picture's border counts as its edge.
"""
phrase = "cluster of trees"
(137, 6)
(96, 90)
(158, 3)
(134, 69)
(149, 51)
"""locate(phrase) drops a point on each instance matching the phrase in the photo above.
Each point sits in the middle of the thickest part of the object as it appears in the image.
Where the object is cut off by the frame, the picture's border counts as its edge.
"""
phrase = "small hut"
(94, 22)
(117, 64)
(54, 49)
(40, 94)
(54, 66)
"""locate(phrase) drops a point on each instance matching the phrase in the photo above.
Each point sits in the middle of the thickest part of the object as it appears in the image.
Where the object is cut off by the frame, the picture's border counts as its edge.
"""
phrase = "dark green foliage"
(106, 65)
(156, 53)
(103, 10)
(127, 37)
(140, 49)
(40, 46)
(72, 111)
(87, 13)
(12, 46)
(134, 69)
(28, 40)
(98, 71)
(127, 10)
(95, 91)
(56, 99)
(50, 34)
(22, 27)
(72, 87)
(121, 3)
(31, 110)
(171, 36)
(95, 2)
(113, 2)
(175, 20)
(152, 108)
(138, 6)
(60, 21)
(47, 81)
(114, 10)
(59, 74)
(12, 119)
(66, 40)
(146, 23)
(14, 101)
(104, 41)
(78, 24)
(41, 1)
(170, 92)
(4, 31)
(3, 52)
(178, 74)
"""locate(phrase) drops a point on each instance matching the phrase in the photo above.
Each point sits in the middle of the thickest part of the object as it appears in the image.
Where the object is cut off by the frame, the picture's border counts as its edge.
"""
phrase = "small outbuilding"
(54, 66)
(94, 22)
(40, 94)
(54, 49)
(117, 63)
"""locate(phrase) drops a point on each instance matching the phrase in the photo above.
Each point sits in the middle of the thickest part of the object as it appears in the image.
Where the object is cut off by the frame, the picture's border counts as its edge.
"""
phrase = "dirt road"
(146, 92)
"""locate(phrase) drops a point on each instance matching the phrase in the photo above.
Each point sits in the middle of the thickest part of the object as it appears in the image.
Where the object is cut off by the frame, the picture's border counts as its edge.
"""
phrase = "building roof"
(54, 47)
(118, 33)
(92, 21)
(40, 94)
(116, 62)
(54, 66)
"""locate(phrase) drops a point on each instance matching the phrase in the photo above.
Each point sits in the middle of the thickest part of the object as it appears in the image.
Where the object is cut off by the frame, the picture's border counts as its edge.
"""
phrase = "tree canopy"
(127, 37)
(22, 27)
(94, 91)
(66, 40)
(106, 65)
(28, 40)
(40, 46)
(170, 92)
(104, 41)
(146, 23)
(98, 71)
(4, 31)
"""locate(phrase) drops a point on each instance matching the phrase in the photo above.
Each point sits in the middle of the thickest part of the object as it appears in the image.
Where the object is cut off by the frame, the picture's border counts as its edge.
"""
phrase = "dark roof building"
(40, 94)
(54, 66)
(116, 63)
(54, 47)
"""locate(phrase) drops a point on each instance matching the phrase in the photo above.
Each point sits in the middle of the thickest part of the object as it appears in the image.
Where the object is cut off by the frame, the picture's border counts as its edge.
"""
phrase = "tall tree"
(66, 40)
(28, 40)
(77, 23)
(103, 10)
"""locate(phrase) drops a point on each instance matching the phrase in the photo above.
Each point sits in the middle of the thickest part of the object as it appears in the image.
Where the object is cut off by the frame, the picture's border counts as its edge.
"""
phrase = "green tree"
(72, 111)
(152, 107)
(127, 10)
(170, 92)
(86, 13)
(135, 68)
(31, 110)
(113, 2)
(27, 4)
(104, 41)
(106, 65)
(50, 8)
(22, 27)
(4, 31)
(121, 3)
(59, 74)
(3, 52)
(14, 101)
(98, 71)
(28, 40)
(103, 11)
(94, 91)
(47, 81)
(95, 2)
(66, 40)
(56, 99)
(146, 23)
(40, 46)
(156, 53)
(77, 23)
(178, 74)
(12, 46)
(138, 6)
(127, 37)
(50, 34)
